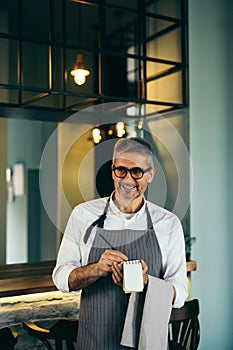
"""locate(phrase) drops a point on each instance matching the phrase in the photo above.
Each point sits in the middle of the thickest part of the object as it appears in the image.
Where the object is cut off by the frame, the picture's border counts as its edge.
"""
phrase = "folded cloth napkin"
(155, 317)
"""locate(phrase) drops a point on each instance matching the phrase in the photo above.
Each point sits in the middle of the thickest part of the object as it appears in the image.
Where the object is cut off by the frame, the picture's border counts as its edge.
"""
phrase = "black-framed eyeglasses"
(136, 172)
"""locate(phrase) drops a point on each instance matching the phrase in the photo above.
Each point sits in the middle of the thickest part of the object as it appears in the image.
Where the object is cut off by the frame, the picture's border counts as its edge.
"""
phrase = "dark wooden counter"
(18, 279)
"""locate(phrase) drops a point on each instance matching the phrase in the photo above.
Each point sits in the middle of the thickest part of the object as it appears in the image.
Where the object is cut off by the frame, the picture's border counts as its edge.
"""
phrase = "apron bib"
(103, 303)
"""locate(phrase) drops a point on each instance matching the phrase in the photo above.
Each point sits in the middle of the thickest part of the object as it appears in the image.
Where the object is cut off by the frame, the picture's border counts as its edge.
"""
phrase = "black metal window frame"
(101, 94)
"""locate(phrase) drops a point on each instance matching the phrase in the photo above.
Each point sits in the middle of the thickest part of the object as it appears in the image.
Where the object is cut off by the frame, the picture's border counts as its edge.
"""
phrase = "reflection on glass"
(9, 16)
(158, 89)
(122, 29)
(35, 65)
(34, 14)
(8, 59)
(123, 3)
(169, 8)
(167, 46)
(83, 34)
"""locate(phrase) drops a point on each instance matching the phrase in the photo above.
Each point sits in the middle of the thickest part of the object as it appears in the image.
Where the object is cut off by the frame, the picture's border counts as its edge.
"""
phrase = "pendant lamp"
(79, 72)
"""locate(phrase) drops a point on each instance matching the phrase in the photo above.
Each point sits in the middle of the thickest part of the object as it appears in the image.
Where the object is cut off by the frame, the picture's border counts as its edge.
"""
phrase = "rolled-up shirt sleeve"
(175, 262)
(69, 254)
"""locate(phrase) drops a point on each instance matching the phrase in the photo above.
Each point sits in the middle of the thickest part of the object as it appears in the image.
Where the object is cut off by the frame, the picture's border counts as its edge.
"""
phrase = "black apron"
(103, 303)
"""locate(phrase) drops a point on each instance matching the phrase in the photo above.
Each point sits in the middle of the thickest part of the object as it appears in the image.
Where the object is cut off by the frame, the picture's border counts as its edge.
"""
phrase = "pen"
(106, 241)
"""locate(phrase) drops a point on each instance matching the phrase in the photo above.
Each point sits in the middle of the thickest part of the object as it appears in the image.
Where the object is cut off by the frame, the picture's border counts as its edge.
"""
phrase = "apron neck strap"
(149, 221)
(99, 222)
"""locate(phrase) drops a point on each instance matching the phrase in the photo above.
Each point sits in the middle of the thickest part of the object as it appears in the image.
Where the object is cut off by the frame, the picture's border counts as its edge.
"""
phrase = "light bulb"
(96, 135)
(80, 75)
(79, 72)
(120, 129)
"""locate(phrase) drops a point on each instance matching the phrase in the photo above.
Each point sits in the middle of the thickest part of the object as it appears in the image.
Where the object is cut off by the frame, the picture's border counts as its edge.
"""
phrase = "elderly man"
(103, 233)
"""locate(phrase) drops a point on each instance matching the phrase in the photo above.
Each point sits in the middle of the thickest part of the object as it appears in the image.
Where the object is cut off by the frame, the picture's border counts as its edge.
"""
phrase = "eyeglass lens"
(121, 172)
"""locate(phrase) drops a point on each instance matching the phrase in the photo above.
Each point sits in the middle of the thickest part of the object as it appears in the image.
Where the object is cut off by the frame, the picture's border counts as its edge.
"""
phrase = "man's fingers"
(144, 266)
(117, 275)
(117, 270)
(115, 255)
(109, 257)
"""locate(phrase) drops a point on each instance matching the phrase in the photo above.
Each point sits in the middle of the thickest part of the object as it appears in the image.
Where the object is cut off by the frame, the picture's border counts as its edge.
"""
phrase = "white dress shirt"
(74, 252)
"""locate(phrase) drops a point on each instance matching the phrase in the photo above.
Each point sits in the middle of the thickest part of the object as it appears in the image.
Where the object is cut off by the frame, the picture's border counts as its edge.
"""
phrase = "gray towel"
(155, 318)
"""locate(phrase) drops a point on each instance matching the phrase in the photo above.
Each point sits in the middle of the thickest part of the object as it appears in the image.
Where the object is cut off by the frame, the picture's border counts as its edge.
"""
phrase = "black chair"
(8, 338)
(63, 330)
(183, 328)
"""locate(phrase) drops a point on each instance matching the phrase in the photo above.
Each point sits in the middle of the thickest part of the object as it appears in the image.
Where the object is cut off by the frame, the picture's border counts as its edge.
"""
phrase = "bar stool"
(63, 330)
(8, 338)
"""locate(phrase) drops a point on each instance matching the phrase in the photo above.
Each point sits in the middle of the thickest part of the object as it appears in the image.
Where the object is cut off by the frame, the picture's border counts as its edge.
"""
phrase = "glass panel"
(123, 3)
(8, 61)
(8, 96)
(35, 19)
(42, 99)
(50, 101)
(120, 76)
(121, 30)
(171, 8)
(74, 102)
(115, 76)
(90, 62)
(27, 96)
(83, 33)
(133, 50)
(35, 65)
(167, 46)
(58, 69)
(166, 89)
(158, 108)
(132, 77)
(9, 16)
(154, 68)
(58, 30)
(155, 25)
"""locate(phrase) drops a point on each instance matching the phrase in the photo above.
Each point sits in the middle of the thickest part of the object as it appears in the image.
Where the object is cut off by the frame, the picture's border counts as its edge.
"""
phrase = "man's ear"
(150, 175)
(112, 172)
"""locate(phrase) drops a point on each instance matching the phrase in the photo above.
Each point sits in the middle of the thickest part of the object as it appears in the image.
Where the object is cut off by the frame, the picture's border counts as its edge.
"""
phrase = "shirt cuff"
(60, 277)
(181, 294)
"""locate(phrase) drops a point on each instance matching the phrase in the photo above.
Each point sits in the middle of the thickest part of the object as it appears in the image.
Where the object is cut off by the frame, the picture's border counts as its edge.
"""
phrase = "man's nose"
(129, 177)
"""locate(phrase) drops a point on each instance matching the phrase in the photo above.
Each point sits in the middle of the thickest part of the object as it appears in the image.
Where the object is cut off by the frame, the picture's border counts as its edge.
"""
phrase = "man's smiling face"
(129, 189)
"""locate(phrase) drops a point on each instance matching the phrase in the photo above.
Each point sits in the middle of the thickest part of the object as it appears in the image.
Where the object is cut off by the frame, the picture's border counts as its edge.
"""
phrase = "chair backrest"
(183, 328)
(8, 339)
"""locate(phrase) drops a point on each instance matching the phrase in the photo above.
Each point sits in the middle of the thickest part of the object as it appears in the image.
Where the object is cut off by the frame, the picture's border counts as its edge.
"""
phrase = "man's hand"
(144, 272)
(108, 259)
(82, 277)
(117, 273)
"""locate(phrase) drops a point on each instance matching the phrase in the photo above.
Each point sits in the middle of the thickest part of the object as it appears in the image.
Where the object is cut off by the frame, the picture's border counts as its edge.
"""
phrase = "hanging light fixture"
(79, 72)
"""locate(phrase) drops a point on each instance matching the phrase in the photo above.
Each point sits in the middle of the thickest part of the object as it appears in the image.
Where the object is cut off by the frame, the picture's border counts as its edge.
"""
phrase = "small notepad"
(132, 276)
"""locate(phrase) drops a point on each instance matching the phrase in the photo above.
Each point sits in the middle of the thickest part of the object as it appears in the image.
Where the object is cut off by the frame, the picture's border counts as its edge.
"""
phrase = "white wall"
(211, 143)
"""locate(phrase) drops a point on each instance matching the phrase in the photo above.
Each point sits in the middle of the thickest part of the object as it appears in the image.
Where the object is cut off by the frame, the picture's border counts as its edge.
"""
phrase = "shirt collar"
(115, 210)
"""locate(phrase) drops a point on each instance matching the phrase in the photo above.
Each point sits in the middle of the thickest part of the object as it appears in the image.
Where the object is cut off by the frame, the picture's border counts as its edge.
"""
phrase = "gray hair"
(134, 144)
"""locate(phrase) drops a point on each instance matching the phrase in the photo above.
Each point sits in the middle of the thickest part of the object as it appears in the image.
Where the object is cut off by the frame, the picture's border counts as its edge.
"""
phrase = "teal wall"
(211, 144)
(25, 144)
